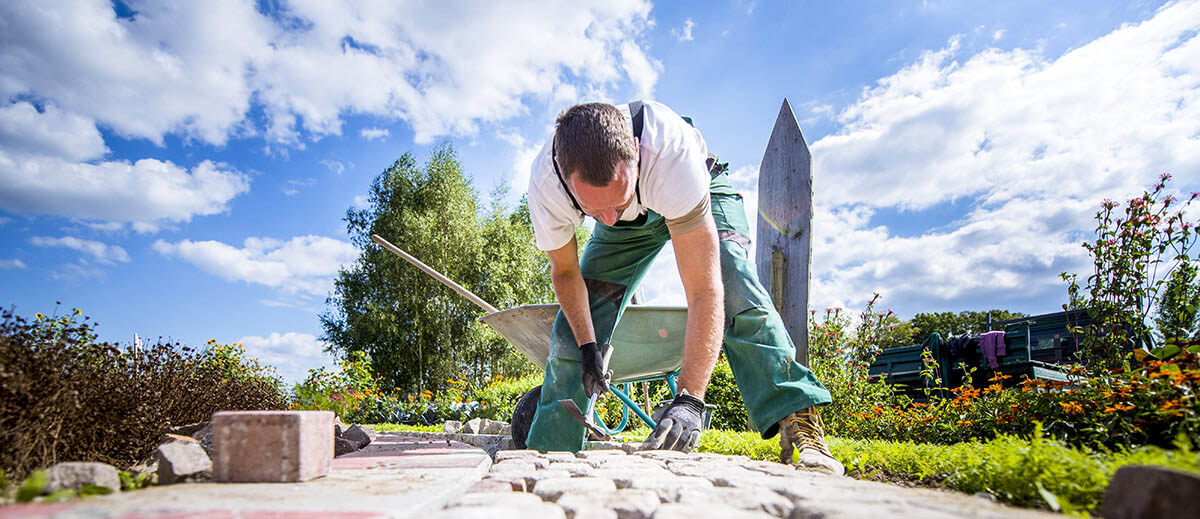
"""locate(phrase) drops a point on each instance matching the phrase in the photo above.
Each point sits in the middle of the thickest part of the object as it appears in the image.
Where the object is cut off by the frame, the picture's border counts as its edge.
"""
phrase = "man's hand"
(593, 369)
(679, 427)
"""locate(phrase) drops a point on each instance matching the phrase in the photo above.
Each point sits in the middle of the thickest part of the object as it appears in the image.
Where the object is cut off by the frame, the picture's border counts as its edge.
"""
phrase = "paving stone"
(582, 506)
(698, 511)
(1151, 492)
(553, 488)
(600, 453)
(179, 462)
(272, 446)
(452, 426)
(624, 478)
(523, 465)
(506, 455)
(758, 499)
(631, 447)
(559, 456)
(538, 511)
(767, 467)
(516, 499)
(517, 482)
(490, 486)
(472, 426)
(602, 447)
(532, 478)
(663, 455)
(576, 469)
(668, 488)
(631, 503)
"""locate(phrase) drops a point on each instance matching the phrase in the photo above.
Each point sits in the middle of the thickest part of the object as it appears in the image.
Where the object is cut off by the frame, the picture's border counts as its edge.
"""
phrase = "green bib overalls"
(760, 352)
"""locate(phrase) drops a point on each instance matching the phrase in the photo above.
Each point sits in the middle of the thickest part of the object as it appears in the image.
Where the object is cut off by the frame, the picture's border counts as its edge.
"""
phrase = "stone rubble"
(180, 461)
(75, 474)
(614, 484)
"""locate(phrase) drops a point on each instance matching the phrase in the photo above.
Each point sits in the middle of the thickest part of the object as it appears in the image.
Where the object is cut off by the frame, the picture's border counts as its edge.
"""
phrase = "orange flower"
(1071, 407)
(994, 388)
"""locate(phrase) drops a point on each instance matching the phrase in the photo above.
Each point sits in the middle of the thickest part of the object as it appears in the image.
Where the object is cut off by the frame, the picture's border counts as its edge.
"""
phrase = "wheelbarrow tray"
(648, 340)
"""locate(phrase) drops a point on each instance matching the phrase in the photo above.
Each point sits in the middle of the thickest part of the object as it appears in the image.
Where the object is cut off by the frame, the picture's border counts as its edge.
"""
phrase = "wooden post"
(785, 225)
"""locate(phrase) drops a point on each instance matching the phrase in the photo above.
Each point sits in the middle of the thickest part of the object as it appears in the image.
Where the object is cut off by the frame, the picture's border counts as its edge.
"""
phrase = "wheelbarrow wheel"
(522, 418)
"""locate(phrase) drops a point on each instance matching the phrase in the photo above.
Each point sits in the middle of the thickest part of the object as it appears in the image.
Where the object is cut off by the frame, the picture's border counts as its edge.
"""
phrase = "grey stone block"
(360, 435)
(581, 506)
(76, 474)
(694, 511)
(342, 446)
(179, 462)
(452, 426)
(472, 426)
(491, 426)
(755, 499)
(552, 489)
(1151, 492)
(668, 489)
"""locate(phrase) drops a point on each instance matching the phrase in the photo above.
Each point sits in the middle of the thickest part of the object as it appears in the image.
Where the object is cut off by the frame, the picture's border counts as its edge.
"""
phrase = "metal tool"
(588, 418)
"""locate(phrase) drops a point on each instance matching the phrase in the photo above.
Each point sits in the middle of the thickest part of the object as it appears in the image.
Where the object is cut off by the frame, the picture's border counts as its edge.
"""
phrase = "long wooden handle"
(487, 307)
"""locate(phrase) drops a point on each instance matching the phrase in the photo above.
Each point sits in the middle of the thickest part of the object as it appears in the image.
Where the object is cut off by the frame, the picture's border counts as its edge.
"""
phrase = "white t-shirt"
(673, 178)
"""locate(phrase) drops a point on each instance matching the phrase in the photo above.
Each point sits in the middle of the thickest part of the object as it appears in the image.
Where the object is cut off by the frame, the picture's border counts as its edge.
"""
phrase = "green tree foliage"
(1179, 303)
(418, 332)
(950, 323)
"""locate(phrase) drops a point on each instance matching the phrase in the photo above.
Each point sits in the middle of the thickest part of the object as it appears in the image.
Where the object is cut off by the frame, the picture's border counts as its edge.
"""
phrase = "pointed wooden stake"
(785, 225)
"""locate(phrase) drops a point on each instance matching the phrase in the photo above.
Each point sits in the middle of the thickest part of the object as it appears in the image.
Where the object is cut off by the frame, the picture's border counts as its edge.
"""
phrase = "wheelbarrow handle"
(487, 307)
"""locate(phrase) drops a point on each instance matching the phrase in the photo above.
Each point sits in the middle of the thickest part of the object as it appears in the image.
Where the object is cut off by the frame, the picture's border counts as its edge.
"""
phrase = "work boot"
(803, 430)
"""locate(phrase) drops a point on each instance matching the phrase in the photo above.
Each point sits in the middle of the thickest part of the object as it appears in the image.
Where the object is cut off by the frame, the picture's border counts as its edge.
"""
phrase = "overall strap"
(639, 117)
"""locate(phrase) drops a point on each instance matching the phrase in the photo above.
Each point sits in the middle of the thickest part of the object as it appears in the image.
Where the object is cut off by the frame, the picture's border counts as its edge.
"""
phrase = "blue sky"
(182, 171)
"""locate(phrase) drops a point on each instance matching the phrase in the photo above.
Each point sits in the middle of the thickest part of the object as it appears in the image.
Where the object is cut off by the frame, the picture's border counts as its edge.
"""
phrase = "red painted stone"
(271, 446)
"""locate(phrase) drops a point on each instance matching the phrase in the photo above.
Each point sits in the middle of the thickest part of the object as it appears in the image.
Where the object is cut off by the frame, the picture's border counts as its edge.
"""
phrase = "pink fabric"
(991, 344)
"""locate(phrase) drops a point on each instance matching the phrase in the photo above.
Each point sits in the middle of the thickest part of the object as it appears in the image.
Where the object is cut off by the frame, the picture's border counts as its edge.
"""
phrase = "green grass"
(1030, 472)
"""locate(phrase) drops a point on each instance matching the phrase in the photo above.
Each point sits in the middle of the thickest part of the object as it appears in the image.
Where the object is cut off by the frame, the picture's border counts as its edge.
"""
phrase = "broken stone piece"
(344, 446)
(360, 435)
(452, 426)
(182, 461)
(76, 474)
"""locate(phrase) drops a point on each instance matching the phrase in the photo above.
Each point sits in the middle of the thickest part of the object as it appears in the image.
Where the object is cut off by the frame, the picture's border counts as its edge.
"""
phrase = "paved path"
(401, 476)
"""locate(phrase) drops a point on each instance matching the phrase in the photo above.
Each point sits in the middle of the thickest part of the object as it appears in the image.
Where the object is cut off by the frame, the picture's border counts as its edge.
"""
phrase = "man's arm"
(571, 291)
(698, 257)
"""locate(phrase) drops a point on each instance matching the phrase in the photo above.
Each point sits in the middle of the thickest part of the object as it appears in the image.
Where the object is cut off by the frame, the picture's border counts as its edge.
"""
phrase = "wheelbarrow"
(647, 346)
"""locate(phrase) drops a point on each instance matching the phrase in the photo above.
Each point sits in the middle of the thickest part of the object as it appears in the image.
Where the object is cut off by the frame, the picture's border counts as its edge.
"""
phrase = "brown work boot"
(803, 430)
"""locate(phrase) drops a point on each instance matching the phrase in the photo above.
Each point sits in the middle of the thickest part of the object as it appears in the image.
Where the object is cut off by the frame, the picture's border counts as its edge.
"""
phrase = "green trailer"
(1036, 347)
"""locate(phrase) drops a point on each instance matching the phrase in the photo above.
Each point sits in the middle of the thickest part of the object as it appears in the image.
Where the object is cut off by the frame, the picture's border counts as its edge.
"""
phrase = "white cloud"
(522, 162)
(296, 184)
(1022, 147)
(291, 353)
(642, 70)
(684, 33)
(334, 166)
(361, 202)
(12, 264)
(146, 194)
(4, 220)
(371, 134)
(196, 69)
(998, 34)
(51, 132)
(100, 252)
(1030, 145)
(304, 266)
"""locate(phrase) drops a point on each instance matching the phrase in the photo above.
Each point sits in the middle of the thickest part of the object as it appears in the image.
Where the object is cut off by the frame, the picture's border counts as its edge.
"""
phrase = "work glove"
(594, 368)
(679, 427)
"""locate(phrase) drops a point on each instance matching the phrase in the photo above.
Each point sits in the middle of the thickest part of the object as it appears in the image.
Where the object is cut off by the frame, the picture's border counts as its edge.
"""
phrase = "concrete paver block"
(272, 446)
(552, 489)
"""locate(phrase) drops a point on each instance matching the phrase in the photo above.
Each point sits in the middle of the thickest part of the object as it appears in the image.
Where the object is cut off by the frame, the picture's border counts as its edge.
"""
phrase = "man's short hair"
(591, 140)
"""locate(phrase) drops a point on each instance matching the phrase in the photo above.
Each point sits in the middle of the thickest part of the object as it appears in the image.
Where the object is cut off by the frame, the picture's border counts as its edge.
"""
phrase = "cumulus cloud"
(684, 33)
(1018, 147)
(100, 252)
(200, 70)
(335, 167)
(304, 266)
(1027, 144)
(12, 264)
(296, 184)
(371, 134)
(291, 353)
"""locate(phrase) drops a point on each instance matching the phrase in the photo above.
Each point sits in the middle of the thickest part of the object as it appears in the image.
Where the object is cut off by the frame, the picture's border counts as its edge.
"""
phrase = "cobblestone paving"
(614, 484)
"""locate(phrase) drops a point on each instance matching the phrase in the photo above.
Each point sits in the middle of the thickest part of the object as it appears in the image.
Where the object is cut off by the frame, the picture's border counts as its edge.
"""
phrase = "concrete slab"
(394, 476)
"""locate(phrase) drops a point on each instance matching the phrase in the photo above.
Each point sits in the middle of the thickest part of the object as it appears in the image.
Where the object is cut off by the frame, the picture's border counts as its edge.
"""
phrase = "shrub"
(1133, 257)
(65, 397)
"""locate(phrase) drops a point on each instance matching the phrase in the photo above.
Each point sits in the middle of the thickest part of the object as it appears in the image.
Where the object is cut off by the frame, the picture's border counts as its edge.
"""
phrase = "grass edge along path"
(1030, 472)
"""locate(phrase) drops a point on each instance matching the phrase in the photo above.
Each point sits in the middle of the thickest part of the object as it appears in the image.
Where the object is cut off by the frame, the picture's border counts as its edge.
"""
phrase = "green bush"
(65, 397)
(723, 393)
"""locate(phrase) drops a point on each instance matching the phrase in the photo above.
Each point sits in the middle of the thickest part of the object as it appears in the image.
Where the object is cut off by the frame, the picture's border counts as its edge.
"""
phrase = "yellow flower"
(1071, 407)
(39, 316)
